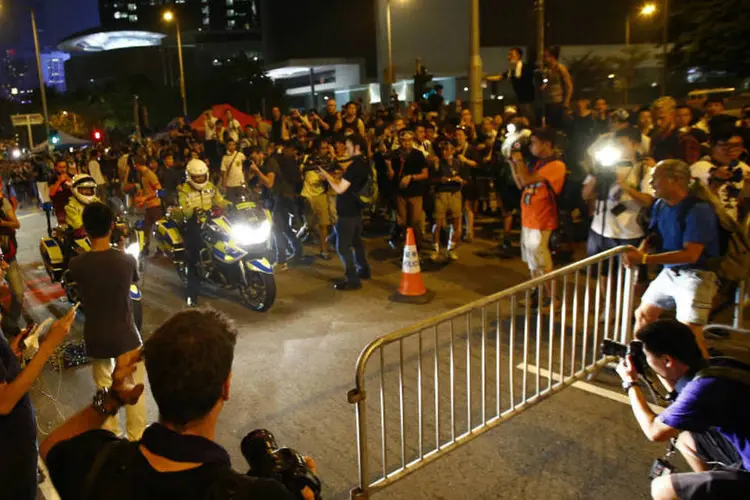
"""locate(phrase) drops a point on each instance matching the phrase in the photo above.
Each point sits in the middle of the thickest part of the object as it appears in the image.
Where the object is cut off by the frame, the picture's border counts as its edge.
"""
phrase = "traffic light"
(97, 135)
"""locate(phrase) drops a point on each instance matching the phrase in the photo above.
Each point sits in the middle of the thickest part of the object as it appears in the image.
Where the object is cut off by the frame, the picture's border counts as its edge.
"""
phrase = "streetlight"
(42, 89)
(169, 16)
(647, 10)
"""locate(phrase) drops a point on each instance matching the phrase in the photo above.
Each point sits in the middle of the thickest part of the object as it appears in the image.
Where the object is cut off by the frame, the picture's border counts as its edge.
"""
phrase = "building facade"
(204, 15)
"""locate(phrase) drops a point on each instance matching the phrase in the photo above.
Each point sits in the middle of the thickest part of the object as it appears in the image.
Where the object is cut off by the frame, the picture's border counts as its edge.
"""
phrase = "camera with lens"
(285, 465)
(634, 350)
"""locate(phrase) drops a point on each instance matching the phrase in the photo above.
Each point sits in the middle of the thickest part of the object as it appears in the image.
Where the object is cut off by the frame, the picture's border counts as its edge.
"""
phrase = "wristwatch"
(100, 405)
(626, 386)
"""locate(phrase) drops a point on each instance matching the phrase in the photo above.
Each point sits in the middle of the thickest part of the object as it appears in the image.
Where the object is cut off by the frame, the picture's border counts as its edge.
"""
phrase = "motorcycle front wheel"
(259, 293)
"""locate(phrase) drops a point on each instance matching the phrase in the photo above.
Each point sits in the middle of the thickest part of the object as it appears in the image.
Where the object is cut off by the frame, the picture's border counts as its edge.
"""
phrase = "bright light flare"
(648, 10)
(168, 16)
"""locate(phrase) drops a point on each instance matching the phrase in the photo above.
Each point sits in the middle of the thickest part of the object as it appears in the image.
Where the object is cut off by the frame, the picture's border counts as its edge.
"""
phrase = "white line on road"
(48, 491)
(591, 388)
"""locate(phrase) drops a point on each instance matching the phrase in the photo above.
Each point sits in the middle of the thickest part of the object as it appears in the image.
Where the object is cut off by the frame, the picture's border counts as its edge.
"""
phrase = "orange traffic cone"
(412, 289)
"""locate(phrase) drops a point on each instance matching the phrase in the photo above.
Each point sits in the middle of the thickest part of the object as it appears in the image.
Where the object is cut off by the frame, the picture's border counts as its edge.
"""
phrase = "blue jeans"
(348, 232)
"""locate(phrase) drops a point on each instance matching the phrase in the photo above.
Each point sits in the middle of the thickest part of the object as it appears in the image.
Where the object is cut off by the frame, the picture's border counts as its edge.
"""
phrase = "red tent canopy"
(220, 111)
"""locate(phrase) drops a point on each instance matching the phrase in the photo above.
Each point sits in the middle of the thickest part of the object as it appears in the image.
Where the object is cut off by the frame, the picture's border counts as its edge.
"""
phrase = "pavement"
(294, 365)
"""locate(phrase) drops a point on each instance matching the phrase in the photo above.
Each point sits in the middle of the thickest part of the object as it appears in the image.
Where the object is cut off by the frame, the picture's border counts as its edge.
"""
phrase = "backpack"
(727, 368)
(369, 192)
(110, 476)
(733, 263)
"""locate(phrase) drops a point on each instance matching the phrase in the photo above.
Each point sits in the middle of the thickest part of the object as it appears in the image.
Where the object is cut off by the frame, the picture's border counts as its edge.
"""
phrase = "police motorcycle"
(234, 251)
(62, 243)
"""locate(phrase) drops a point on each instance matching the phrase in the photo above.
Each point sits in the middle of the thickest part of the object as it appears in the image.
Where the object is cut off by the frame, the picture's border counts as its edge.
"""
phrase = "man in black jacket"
(189, 364)
(521, 77)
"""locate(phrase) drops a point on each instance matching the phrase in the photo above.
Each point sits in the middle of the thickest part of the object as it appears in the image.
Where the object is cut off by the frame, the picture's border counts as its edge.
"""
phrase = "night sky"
(56, 19)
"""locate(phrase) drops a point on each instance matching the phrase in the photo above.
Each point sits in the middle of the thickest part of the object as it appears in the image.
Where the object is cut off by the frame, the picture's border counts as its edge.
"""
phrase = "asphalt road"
(294, 365)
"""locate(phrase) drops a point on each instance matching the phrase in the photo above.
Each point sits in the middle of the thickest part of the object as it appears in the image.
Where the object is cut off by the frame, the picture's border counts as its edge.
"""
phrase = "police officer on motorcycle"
(84, 193)
(195, 196)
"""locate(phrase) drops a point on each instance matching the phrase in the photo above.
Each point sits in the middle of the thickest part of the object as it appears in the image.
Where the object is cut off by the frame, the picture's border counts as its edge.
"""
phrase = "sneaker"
(533, 300)
(280, 268)
(345, 285)
(435, 255)
(191, 302)
(393, 244)
(451, 254)
(324, 255)
(364, 275)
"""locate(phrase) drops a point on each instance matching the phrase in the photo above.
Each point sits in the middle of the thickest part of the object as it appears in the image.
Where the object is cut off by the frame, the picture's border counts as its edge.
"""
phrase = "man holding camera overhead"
(620, 188)
(709, 416)
(189, 365)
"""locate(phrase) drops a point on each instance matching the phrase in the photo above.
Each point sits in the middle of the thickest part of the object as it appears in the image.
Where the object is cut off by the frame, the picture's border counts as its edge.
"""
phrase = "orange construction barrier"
(412, 289)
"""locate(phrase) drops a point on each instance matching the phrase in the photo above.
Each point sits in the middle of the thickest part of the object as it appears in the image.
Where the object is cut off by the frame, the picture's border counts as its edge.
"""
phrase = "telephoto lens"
(266, 459)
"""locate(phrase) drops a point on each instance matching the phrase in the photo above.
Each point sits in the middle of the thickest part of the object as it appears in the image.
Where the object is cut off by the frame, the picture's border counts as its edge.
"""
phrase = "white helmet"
(197, 174)
(84, 188)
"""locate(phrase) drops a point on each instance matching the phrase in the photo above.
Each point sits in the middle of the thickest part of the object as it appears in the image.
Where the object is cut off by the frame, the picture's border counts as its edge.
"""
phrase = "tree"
(625, 67)
(714, 35)
(590, 74)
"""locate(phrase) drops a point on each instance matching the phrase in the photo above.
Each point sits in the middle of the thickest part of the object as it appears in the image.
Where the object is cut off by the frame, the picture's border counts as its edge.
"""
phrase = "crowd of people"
(626, 176)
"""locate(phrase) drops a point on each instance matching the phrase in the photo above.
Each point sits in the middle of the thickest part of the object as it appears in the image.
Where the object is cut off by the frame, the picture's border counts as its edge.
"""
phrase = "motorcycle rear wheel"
(259, 293)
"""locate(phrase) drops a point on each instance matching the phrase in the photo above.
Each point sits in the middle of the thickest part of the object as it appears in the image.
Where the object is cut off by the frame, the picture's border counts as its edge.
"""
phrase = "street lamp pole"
(665, 37)
(170, 16)
(390, 42)
(627, 46)
(182, 69)
(475, 66)
(42, 89)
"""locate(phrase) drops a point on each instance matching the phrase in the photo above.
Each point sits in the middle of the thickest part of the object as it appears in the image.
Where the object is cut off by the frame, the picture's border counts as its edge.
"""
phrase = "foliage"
(590, 74)
(714, 35)
(625, 65)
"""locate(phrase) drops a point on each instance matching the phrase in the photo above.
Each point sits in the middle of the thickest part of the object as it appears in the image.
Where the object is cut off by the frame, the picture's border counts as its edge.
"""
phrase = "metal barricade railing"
(446, 380)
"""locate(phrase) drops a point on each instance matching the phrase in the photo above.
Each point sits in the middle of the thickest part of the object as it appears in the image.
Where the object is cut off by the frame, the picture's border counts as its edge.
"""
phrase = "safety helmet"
(197, 174)
(84, 188)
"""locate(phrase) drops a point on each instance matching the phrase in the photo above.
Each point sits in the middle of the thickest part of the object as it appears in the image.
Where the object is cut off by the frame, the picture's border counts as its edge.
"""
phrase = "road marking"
(48, 490)
(591, 388)
(32, 214)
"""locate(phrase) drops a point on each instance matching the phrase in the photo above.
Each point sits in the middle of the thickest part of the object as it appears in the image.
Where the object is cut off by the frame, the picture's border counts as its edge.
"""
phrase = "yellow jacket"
(74, 212)
(191, 199)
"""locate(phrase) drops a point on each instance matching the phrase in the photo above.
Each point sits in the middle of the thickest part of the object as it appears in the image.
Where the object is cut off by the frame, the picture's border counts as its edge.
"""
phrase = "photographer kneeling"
(710, 416)
(189, 366)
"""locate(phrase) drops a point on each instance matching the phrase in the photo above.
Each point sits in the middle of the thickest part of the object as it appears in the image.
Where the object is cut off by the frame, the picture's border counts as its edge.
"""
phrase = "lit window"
(230, 13)
(230, 3)
(132, 18)
(206, 20)
(205, 10)
(230, 23)
(132, 7)
(118, 15)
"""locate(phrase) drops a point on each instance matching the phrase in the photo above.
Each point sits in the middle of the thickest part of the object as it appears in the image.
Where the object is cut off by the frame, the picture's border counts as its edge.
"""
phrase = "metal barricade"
(442, 382)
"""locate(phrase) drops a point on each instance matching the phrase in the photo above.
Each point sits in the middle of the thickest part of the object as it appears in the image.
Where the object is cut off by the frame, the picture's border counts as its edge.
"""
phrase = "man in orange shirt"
(540, 185)
(150, 186)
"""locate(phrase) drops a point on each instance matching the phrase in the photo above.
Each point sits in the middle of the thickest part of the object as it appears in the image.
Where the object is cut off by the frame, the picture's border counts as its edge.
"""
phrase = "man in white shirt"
(620, 188)
(209, 126)
(618, 120)
(233, 126)
(232, 171)
(95, 170)
(722, 171)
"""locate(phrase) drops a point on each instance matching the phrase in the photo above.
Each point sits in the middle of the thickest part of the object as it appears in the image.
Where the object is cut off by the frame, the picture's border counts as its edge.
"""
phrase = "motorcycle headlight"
(133, 249)
(245, 234)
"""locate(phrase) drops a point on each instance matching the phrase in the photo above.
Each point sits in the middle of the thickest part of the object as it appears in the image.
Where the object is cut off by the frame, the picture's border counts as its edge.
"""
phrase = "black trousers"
(350, 247)
(191, 234)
